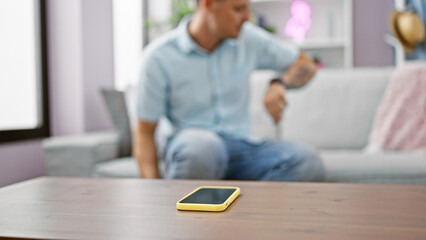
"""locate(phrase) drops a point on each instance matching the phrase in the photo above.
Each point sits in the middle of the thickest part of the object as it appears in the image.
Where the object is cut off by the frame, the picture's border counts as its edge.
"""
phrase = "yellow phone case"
(208, 207)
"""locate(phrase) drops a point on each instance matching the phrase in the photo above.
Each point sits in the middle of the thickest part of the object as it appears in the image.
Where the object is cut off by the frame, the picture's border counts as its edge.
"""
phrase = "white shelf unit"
(318, 43)
(400, 5)
(330, 35)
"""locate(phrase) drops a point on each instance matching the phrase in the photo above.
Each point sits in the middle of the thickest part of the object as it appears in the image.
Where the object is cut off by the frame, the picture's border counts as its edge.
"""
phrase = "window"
(128, 34)
(23, 71)
(137, 22)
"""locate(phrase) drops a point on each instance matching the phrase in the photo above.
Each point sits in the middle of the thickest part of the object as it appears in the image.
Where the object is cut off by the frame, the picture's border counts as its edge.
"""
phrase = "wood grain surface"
(76, 208)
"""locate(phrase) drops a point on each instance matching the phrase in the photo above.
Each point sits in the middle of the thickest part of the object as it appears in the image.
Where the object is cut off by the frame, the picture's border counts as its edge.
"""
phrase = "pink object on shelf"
(400, 122)
(300, 20)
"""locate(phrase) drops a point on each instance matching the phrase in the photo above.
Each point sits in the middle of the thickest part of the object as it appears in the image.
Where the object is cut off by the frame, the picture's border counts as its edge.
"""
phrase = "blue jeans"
(201, 154)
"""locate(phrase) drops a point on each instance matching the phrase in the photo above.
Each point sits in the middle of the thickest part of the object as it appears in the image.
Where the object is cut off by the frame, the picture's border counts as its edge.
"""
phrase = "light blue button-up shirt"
(197, 89)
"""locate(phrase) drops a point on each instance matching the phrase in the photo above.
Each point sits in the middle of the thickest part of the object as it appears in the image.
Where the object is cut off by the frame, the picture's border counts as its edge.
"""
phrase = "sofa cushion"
(400, 123)
(120, 168)
(117, 108)
(386, 168)
(76, 155)
(261, 123)
(335, 110)
(125, 167)
(122, 109)
(104, 145)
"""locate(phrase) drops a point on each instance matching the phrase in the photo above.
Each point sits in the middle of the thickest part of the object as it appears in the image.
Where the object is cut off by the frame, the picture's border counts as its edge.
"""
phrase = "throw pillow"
(400, 123)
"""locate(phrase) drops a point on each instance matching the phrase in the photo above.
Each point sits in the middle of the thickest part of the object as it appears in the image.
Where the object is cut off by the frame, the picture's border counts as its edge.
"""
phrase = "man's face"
(226, 17)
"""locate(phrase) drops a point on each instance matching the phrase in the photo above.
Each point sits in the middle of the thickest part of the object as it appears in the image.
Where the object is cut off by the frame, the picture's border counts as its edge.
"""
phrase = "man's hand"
(301, 72)
(275, 101)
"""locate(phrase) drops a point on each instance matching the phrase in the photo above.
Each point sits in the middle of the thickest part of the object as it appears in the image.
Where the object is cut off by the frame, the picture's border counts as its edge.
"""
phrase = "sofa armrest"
(76, 156)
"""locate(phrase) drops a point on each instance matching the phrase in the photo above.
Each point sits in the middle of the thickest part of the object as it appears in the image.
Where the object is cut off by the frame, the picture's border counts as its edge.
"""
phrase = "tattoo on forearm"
(303, 72)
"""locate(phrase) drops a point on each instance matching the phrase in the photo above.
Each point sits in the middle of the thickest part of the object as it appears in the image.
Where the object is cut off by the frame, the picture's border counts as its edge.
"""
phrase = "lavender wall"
(370, 24)
(20, 161)
(65, 66)
(98, 63)
(80, 64)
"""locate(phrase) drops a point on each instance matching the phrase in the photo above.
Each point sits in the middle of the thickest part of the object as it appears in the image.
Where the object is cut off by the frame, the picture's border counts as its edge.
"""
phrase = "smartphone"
(209, 198)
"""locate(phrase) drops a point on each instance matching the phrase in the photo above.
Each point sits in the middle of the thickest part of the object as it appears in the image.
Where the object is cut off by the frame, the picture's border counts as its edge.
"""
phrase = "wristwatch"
(280, 81)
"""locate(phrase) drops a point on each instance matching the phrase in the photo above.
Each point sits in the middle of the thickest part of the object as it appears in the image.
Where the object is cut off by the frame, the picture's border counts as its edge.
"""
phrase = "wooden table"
(71, 208)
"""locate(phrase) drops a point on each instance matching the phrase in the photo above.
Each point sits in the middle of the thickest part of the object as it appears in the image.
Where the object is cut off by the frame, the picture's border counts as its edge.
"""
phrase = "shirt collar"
(187, 44)
(185, 41)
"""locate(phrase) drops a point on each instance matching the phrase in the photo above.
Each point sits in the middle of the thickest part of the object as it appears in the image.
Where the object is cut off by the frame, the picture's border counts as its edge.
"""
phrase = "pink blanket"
(400, 122)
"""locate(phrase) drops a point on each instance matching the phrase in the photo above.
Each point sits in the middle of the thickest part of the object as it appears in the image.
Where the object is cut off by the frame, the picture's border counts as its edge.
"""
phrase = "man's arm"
(144, 149)
(301, 72)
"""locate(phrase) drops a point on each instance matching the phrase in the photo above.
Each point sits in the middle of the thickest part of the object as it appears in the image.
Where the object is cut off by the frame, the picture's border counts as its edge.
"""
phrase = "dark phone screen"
(209, 196)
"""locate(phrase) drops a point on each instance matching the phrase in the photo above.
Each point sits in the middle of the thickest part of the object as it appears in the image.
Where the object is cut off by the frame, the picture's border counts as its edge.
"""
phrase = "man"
(197, 76)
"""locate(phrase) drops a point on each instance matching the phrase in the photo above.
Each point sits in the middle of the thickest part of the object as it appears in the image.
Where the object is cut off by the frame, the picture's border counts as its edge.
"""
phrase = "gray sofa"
(334, 113)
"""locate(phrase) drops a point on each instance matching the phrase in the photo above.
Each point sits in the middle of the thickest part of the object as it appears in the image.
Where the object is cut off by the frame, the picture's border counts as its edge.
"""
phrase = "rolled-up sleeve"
(152, 91)
(271, 52)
